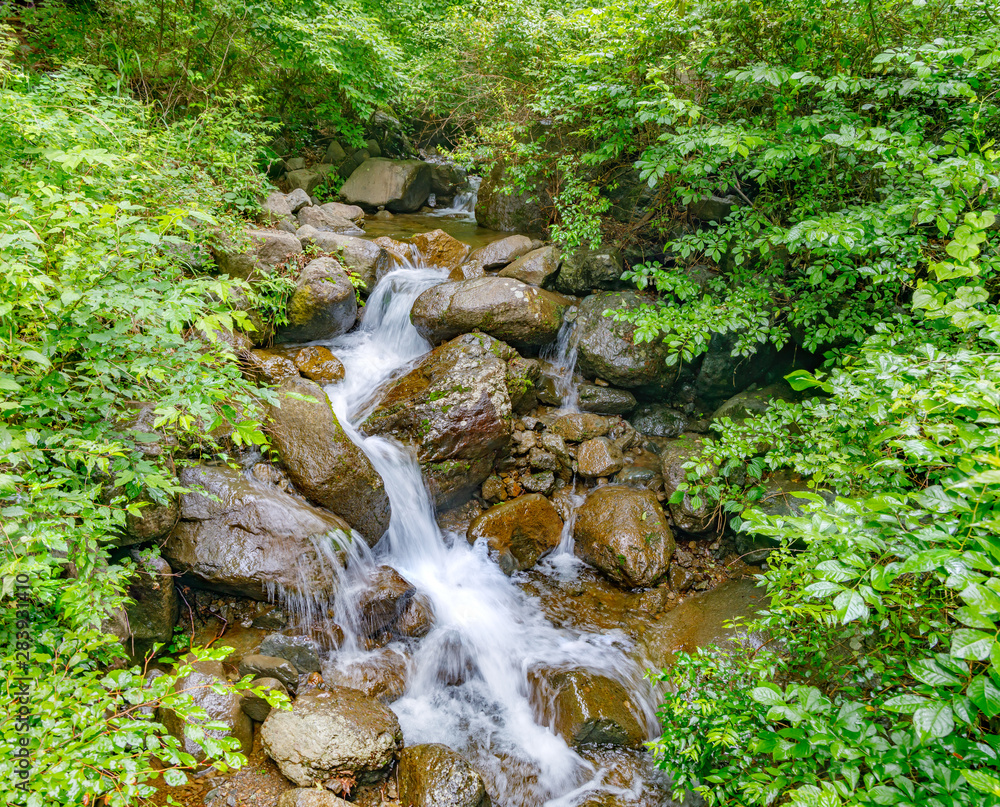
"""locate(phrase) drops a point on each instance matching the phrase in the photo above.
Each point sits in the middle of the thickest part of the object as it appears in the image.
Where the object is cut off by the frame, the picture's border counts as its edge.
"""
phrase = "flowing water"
(561, 358)
(468, 678)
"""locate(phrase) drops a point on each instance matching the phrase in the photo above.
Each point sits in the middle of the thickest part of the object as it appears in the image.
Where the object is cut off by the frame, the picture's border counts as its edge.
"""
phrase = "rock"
(381, 674)
(500, 253)
(221, 707)
(624, 534)
(521, 212)
(507, 309)
(364, 258)
(585, 708)
(658, 420)
(712, 208)
(353, 162)
(267, 248)
(154, 521)
(325, 220)
(455, 408)
(315, 362)
(297, 199)
(536, 267)
(383, 601)
(401, 186)
(580, 426)
(301, 651)
(269, 366)
(544, 482)
(433, 775)
(152, 607)
(310, 797)
(255, 706)
(467, 271)
(276, 208)
(305, 179)
(295, 163)
(439, 249)
(260, 666)
(607, 350)
(323, 304)
(331, 733)
(447, 179)
(599, 457)
(254, 540)
(398, 251)
(750, 403)
(584, 270)
(350, 212)
(519, 532)
(323, 463)
(372, 147)
(605, 400)
(685, 516)
(335, 153)
(416, 620)
(720, 374)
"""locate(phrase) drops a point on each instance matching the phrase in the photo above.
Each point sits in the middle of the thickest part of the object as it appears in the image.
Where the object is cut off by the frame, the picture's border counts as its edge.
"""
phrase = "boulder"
(684, 514)
(267, 248)
(317, 363)
(349, 212)
(440, 250)
(256, 707)
(301, 651)
(623, 533)
(353, 161)
(259, 666)
(310, 797)
(585, 708)
(721, 374)
(580, 426)
(252, 539)
(499, 253)
(154, 521)
(517, 212)
(507, 309)
(599, 457)
(323, 463)
(712, 208)
(335, 153)
(381, 674)
(401, 186)
(604, 400)
(584, 270)
(447, 179)
(467, 271)
(305, 179)
(537, 267)
(323, 304)
(269, 366)
(276, 208)
(152, 607)
(519, 532)
(753, 402)
(222, 707)
(607, 349)
(658, 420)
(383, 601)
(297, 199)
(455, 408)
(433, 775)
(365, 259)
(295, 163)
(332, 733)
(399, 252)
(325, 220)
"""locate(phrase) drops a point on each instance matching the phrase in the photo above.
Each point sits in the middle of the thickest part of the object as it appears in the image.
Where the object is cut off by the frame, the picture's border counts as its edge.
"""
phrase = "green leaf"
(983, 782)
(933, 721)
(850, 606)
(768, 695)
(971, 644)
(985, 694)
(905, 704)
(930, 672)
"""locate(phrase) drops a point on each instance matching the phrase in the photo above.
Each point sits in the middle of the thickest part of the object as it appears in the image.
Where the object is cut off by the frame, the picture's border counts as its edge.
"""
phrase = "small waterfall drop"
(464, 203)
(561, 356)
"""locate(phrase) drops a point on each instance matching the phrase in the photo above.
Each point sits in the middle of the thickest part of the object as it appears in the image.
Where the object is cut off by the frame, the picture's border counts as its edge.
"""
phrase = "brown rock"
(536, 268)
(520, 532)
(270, 366)
(599, 457)
(439, 249)
(685, 515)
(435, 776)
(318, 364)
(582, 426)
(502, 252)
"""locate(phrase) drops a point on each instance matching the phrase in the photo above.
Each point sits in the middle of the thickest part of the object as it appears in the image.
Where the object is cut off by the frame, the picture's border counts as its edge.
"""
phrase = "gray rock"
(584, 270)
(310, 797)
(255, 706)
(365, 259)
(327, 221)
(507, 309)
(335, 153)
(599, 457)
(323, 304)
(350, 165)
(435, 776)
(297, 199)
(267, 248)
(305, 179)
(152, 607)
(401, 186)
(372, 147)
(658, 420)
(750, 403)
(295, 163)
(713, 208)
(520, 212)
(301, 651)
(252, 539)
(270, 667)
(276, 208)
(323, 463)
(447, 179)
(537, 267)
(500, 253)
(684, 514)
(349, 212)
(332, 733)
(605, 400)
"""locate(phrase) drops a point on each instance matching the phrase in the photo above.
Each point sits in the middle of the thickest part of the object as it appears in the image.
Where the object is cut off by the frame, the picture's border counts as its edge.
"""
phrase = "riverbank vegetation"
(851, 152)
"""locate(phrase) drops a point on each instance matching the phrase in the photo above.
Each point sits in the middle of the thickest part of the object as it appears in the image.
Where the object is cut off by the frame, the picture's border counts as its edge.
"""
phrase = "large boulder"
(658, 420)
(624, 534)
(607, 348)
(685, 515)
(498, 254)
(323, 304)
(364, 258)
(433, 775)
(754, 402)
(455, 409)
(599, 457)
(439, 249)
(327, 220)
(267, 248)
(222, 707)
(537, 267)
(517, 212)
(401, 186)
(333, 733)
(584, 270)
(519, 532)
(507, 309)
(322, 461)
(447, 180)
(721, 373)
(243, 537)
(305, 179)
(585, 708)
(152, 607)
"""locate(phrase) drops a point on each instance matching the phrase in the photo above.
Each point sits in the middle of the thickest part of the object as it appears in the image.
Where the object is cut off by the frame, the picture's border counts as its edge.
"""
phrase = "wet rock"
(519, 532)
(455, 409)
(222, 707)
(542, 482)
(520, 212)
(260, 666)
(252, 539)
(330, 733)
(310, 797)
(685, 515)
(750, 403)
(542, 460)
(536, 267)
(585, 708)
(623, 533)
(433, 775)
(605, 400)
(507, 309)
(658, 420)
(152, 607)
(416, 619)
(599, 457)
(327, 221)
(154, 521)
(722, 374)
(301, 651)
(323, 304)
(447, 179)
(256, 707)
(381, 674)
(318, 364)
(498, 254)
(384, 600)
(269, 366)
(297, 199)
(607, 349)
(713, 208)
(439, 249)
(322, 461)
(401, 186)
(469, 270)
(584, 270)
(365, 259)
(578, 427)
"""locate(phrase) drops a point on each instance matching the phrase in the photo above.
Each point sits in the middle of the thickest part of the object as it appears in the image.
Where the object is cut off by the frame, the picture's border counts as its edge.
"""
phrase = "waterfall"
(561, 355)
(464, 203)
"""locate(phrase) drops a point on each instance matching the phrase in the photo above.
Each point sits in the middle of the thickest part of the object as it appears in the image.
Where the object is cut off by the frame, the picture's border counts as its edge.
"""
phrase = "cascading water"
(464, 203)
(468, 678)
(561, 356)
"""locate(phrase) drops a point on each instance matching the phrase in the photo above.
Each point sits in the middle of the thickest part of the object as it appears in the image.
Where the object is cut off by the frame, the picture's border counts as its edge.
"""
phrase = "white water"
(464, 203)
(467, 685)
(561, 355)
